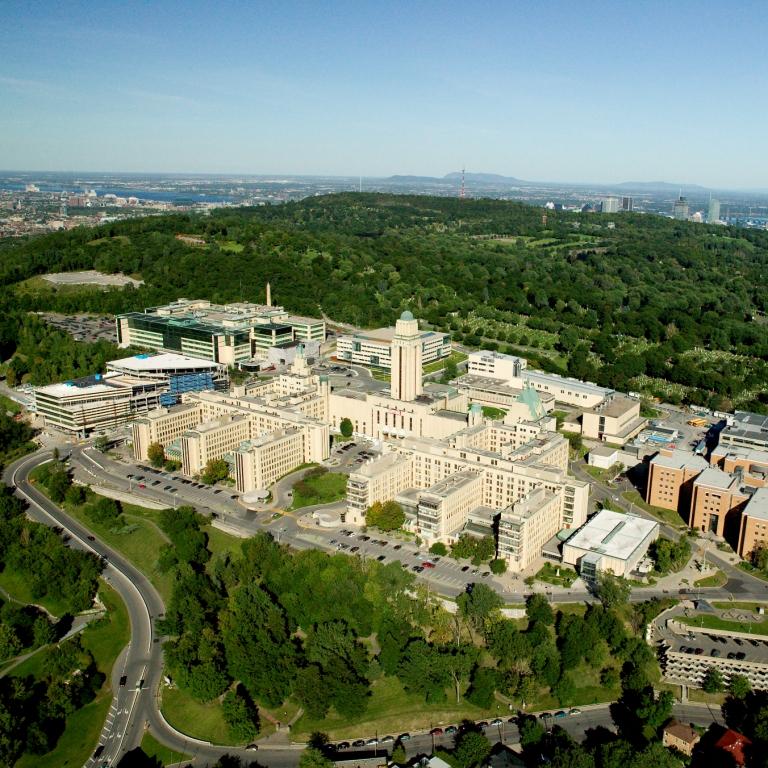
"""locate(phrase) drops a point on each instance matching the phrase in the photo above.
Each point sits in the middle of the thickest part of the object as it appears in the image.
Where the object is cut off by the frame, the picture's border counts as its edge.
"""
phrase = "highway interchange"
(136, 704)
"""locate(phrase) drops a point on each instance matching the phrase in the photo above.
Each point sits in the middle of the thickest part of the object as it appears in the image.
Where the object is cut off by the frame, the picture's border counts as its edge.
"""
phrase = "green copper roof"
(407, 315)
(530, 397)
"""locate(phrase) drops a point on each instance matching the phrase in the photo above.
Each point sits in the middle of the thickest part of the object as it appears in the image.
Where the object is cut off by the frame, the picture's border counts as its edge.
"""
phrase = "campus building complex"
(225, 333)
(725, 496)
(375, 347)
(130, 387)
(497, 380)
(487, 474)
(262, 432)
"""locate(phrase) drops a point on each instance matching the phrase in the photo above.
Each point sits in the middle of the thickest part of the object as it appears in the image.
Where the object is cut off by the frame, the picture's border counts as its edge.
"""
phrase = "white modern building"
(610, 541)
(374, 348)
(131, 386)
(514, 372)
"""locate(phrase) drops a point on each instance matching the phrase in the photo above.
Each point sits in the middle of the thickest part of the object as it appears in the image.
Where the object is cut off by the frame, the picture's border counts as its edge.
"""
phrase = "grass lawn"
(749, 568)
(104, 639)
(559, 576)
(17, 586)
(668, 516)
(380, 374)
(154, 748)
(717, 579)
(231, 246)
(391, 710)
(139, 540)
(8, 405)
(715, 622)
(221, 543)
(201, 721)
(493, 413)
(727, 605)
(438, 365)
(331, 486)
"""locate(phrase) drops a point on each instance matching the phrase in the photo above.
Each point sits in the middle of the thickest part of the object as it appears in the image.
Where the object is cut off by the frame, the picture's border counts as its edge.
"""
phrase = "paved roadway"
(449, 577)
(136, 704)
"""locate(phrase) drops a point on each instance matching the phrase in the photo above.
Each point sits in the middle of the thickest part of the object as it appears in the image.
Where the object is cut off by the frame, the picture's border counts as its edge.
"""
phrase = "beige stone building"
(465, 481)
(262, 431)
(614, 420)
(526, 526)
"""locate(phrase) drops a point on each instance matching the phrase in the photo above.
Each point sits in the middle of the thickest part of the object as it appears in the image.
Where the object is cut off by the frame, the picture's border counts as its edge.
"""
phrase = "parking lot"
(84, 327)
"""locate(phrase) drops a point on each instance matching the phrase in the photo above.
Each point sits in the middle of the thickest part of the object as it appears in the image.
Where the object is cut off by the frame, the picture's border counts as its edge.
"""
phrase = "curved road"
(136, 704)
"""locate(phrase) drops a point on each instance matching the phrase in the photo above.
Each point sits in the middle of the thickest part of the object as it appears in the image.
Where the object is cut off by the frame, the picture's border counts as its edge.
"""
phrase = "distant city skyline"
(602, 94)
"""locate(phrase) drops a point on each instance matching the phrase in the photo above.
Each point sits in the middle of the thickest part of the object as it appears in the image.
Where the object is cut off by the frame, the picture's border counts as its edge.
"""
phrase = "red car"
(141, 485)
(427, 564)
(436, 732)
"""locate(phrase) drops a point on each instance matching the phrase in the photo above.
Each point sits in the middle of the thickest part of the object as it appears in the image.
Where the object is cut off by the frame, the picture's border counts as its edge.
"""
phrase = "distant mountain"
(405, 178)
(488, 178)
(659, 186)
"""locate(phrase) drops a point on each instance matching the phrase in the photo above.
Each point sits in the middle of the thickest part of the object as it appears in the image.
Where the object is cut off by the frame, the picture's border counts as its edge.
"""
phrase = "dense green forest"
(632, 301)
(322, 630)
(33, 709)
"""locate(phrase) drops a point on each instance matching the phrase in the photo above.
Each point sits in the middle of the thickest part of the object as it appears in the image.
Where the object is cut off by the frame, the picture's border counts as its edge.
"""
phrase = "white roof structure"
(161, 362)
(613, 534)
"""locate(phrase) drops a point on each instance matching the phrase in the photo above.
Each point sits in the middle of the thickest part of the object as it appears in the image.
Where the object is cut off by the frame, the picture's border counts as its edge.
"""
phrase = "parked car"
(436, 732)
(404, 737)
(358, 743)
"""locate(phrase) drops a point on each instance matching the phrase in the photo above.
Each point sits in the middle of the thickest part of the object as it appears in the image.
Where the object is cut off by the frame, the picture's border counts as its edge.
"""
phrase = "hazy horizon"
(562, 94)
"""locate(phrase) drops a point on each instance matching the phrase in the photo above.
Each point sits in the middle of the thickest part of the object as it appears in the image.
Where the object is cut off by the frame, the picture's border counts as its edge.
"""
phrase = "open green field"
(8, 405)
(105, 639)
(230, 246)
(392, 710)
(668, 516)
(201, 721)
(153, 748)
(493, 413)
(326, 488)
(17, 587)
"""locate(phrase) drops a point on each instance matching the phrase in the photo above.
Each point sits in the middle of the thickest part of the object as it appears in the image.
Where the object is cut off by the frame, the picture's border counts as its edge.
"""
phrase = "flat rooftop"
(161, 362)
(757, 506)
(715, 478)
(613, 534)
(448, 485)
(680, 460)
(574, 385)
(614, 406)
(98, 384)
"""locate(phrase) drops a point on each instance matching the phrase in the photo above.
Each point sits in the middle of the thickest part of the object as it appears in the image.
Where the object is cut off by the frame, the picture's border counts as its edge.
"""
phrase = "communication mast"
(462, 189)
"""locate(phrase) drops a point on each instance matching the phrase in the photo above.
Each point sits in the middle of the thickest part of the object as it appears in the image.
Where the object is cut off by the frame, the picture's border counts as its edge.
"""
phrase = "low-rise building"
(680, 736)
(374, 347)
(670, 479)
(717, 501)
(226, 333)
(514, 372)
(131, 386)
(616, 419)
(610, 541)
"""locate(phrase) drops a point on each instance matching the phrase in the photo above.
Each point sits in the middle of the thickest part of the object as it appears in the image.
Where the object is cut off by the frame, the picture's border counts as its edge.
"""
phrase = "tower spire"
(462, 189)
(269, 295)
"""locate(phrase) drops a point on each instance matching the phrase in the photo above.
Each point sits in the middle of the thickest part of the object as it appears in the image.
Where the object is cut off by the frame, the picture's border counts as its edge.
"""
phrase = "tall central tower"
(406, 359)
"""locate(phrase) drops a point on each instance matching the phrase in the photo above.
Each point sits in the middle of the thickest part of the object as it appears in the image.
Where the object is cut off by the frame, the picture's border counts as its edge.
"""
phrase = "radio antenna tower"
(462, 189)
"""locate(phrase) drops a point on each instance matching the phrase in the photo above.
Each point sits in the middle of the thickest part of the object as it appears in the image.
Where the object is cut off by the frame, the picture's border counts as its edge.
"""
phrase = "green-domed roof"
(407, 315)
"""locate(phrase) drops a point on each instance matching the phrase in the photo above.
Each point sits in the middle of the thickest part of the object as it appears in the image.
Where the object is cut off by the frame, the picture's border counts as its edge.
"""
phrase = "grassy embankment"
(104, 638)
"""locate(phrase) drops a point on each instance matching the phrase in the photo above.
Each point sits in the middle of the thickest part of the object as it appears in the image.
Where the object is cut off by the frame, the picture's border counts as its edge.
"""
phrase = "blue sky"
(559, 91)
